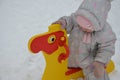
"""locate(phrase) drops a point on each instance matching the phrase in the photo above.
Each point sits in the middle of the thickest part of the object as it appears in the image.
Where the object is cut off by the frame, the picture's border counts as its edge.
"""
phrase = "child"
(91, 39)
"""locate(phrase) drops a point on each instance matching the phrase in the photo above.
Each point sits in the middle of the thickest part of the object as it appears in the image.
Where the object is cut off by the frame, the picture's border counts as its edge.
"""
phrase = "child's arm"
(106, 45)
(106, 49)
(66, 22)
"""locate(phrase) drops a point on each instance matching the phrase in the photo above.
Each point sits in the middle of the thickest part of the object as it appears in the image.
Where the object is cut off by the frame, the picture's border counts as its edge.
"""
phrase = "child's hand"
(98, 69)
(62, 22)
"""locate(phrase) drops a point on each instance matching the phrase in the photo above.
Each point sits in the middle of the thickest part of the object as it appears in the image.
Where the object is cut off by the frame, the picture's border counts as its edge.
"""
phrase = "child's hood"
(96, 11)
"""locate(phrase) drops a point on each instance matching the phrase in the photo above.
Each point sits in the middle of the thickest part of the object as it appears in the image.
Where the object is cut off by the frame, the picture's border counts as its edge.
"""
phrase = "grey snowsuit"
(102, 45)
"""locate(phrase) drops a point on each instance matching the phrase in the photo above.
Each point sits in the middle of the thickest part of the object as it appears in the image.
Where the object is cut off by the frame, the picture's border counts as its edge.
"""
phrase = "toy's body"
(54, 45)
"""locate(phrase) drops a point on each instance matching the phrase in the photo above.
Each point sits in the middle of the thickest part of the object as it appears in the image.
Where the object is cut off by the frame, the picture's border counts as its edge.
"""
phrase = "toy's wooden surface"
(54, 45)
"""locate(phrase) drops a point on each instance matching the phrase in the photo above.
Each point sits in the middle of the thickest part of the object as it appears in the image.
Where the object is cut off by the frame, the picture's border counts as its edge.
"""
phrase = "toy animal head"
(50, 41)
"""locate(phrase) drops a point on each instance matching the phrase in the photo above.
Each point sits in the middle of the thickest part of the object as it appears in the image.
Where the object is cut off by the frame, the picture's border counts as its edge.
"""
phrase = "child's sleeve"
(106, 45)
(70, 21)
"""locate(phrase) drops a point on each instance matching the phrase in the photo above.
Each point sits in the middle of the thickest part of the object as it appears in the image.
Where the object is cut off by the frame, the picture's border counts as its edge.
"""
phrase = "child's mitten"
(98, 69)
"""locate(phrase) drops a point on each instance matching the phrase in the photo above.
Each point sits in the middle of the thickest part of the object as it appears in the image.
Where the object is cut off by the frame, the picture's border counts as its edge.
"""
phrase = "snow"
(21, 19)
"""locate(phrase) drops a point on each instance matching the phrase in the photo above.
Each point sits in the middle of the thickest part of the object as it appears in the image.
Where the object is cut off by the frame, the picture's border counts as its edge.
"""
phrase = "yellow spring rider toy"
(54, 46)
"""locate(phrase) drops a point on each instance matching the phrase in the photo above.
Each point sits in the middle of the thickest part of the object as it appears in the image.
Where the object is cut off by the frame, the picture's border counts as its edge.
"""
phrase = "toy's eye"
(51, 39)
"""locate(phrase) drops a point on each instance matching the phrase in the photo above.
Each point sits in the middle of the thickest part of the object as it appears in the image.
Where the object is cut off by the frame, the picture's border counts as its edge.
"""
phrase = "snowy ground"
(21, 19)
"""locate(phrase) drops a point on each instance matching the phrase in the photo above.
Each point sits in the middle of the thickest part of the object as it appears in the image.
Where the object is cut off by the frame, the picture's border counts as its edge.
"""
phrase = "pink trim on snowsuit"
(87, 27)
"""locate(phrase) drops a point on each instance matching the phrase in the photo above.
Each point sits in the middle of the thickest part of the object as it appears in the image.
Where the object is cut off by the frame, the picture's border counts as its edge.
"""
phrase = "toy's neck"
(54, 68)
